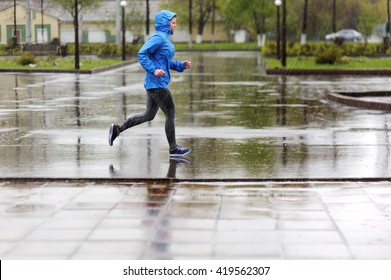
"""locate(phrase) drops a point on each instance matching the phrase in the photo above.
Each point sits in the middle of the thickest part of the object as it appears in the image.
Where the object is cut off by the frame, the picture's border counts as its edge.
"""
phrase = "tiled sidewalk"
(271, 220)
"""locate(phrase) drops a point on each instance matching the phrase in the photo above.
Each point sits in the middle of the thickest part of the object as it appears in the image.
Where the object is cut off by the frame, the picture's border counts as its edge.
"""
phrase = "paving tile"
(316, 252)
(70, 223)
(297, 196)
(129, 213)
(6, 246)
(309, 237)
(297, 206)
(349, 198)
(143, 205)
(371, 252)
(358, 215)
(189, 223)
(119, 234)
(88, 206)
(248, 251)
(340, 191)
(352, 207)
(13, 235)
(365, 225)
(381, 198)
(30, 210)
(178, 250)
(126, 223)
(247, 214)
(17, 223)
(164, 234)
(193, 213)
(243, 237)
(245, 205)
(196, 198)
(302, 215)
(80, 214)
(305, 225)
(240, 200)
(42, 250)
(109, 250)
(58, 235)
(374, 237)
(246, 224)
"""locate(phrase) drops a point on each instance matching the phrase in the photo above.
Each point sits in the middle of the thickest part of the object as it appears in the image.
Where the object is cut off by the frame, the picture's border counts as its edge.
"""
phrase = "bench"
(41, 49)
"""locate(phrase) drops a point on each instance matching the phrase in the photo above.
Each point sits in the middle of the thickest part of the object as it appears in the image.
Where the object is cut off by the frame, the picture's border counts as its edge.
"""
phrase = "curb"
(91, 71)
(165, 180)
(353, 72)
(353, 99)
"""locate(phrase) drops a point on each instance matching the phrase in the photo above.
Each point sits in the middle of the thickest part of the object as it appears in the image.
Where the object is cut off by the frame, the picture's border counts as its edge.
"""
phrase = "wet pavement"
(278, 171)
(239, 122)
(85, 220)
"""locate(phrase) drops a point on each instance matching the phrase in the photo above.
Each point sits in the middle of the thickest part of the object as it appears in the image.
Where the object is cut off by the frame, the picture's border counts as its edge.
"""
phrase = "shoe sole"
(110, 134)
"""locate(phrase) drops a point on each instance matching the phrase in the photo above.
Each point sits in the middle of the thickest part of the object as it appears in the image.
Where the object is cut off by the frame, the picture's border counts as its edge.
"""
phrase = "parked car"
(346, 34)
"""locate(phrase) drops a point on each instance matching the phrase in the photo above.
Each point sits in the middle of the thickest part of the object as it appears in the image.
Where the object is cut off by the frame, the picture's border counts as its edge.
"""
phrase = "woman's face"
(173, 24)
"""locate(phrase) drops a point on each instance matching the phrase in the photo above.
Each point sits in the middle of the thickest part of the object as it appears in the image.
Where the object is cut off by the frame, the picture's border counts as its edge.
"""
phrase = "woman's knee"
(149, 115)
(170, 113)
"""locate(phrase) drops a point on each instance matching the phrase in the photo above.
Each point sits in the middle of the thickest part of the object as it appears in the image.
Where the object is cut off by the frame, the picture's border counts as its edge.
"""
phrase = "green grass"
(217, 47)
(352, 63)
(58, 63)
(299, 62)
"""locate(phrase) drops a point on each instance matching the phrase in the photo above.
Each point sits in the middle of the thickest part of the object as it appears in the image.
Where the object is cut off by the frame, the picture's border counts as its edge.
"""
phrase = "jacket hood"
(162, 21)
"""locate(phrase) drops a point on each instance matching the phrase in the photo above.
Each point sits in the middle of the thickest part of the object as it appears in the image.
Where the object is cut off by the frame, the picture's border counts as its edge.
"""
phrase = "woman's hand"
(187, 64)
(159, 72)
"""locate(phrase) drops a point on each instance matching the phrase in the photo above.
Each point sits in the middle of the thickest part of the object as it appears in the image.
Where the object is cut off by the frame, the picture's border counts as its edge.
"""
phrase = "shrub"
(3, 49)
(107, 49)
(26, 58)
(330, 55)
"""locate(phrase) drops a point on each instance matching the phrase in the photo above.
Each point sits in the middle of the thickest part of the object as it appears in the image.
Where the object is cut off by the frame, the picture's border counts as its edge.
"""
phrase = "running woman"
(156, 57)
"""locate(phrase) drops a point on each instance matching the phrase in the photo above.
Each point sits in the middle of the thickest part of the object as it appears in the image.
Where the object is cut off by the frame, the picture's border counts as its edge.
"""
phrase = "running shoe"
(113, 133)
(179, 152)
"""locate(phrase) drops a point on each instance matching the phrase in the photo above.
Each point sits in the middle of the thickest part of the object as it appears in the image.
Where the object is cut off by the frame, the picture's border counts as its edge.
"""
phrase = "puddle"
(239, 123)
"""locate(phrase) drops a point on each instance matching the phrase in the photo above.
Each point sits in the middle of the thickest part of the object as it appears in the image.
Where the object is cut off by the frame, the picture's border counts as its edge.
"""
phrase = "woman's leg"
(149, 114)
(164, 100)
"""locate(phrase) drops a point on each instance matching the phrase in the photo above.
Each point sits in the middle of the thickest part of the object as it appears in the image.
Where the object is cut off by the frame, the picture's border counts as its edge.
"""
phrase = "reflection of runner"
(171, 173)
(174, 163)
(155, 56)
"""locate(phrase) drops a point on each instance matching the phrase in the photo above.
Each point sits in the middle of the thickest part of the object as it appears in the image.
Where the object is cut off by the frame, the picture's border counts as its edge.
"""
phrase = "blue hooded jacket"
(157, 53)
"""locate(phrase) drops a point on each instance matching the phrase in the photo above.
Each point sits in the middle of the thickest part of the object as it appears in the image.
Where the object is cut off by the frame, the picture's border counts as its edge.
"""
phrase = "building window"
(42, 34)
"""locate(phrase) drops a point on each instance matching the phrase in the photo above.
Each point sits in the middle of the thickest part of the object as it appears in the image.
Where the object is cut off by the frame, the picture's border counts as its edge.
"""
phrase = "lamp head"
(277, 2)
(123, 3)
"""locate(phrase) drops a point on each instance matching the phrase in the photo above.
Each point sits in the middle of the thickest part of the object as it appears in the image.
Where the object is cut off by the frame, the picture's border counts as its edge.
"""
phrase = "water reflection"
(238, 122)
(156, 202)
(174, 164)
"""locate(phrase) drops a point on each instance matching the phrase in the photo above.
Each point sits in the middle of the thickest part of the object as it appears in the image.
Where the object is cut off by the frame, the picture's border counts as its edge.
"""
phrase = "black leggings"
(156, 98)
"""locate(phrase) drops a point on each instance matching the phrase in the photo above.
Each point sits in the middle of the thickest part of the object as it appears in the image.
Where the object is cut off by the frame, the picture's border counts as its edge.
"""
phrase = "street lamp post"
(14, 36)
(147, 20)
(190, 23)
(334, 16)
(283, 49)
(278, 4)
(76, 22)
(388, 25)
(123, 5)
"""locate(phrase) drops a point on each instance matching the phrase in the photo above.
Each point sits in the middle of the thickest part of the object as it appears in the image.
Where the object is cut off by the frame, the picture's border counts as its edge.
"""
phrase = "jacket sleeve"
(177, 65)
(147, 50)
